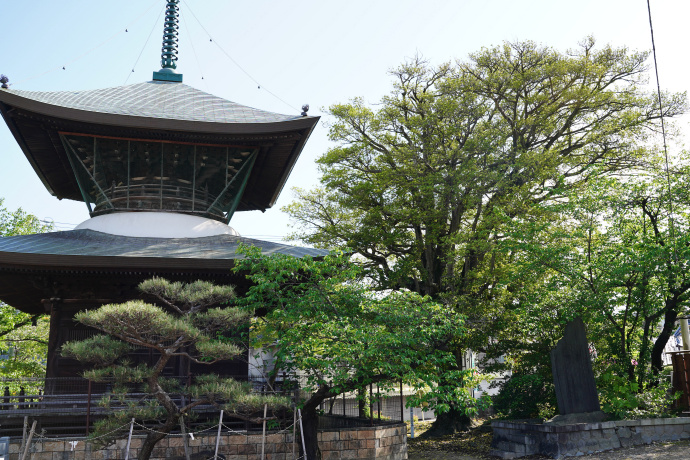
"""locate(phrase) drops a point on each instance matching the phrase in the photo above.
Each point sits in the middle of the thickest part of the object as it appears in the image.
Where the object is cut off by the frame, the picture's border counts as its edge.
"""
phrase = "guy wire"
(663, 135)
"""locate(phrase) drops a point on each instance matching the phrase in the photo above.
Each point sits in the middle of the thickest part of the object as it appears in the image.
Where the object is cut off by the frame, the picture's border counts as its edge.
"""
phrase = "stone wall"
(514, 439)
(379, 442)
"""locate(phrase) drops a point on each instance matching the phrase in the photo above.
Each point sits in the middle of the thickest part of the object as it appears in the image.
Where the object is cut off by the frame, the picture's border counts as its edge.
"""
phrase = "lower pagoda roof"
(33, 265)
(89, 248)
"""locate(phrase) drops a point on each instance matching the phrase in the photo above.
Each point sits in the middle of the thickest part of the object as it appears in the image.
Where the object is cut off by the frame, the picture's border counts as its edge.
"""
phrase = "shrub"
(525, 396)
(622, 399)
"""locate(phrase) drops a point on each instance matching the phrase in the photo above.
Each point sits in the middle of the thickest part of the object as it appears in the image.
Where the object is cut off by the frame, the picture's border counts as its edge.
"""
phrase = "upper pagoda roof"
(153, 99)
(154, 110)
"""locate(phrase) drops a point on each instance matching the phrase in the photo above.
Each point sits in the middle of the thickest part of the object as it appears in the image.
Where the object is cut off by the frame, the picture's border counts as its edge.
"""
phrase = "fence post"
(24, 430)
(402, 405)
(129, 439)
(220, 424)
(184, 437)
(88, 409)
(371, 404)
(263, 436)
(412, 422)
(344, 415)
(28, 441)
(378, 399)
(294, 430)
(301, 432)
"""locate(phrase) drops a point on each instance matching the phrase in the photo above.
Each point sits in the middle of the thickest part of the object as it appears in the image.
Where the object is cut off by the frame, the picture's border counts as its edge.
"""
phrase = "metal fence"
(375, 405)
(70, 406)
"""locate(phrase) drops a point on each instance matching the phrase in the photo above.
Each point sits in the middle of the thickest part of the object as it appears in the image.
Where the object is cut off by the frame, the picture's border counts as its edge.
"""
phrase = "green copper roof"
(90, 243)
(157, 99)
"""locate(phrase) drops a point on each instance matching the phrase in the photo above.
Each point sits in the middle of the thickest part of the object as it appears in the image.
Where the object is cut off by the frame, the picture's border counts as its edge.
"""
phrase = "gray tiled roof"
(92, 243)
(157, 99)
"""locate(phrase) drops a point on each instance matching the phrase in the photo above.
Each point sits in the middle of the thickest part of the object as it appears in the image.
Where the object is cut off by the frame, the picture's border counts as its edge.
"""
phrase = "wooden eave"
(36, 126)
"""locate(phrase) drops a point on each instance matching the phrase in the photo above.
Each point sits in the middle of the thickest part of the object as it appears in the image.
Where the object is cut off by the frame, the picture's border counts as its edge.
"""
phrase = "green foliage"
(19, 222)
(187, 296)
(622, 399)
(187, 326)
(24, 336)
(329, 327)
(99, 350)
(428, 186)
(605, 253)
(525, 396)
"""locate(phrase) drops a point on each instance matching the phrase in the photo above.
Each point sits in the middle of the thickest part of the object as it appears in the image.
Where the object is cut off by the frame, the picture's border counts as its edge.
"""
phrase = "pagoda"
(162, 168)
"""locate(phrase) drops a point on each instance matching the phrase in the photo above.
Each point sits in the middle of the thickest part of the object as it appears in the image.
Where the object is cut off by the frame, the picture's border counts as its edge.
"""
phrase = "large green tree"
(338, 336)
(419, 186)
(615, 254)
(24, 336)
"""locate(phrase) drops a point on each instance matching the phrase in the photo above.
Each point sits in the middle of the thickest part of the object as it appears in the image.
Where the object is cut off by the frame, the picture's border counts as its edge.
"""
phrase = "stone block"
(366, 434)
(357, 444)
(331, 455)
(349, 435)
(366, 454)
(234, 439)
(330, 436)
(348, 453)
(383, 451)
(502, 454)
(246, 449)
(275, 438)
(337, 445)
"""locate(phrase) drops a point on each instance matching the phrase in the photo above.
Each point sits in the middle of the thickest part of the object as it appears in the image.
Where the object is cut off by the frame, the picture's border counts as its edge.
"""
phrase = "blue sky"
(302, 51)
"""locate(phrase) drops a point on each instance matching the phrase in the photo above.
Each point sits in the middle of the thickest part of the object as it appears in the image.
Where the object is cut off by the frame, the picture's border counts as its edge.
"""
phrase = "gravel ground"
(475, 446)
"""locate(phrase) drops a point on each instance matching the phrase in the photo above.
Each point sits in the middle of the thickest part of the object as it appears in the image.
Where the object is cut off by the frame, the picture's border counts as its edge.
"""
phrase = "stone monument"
(576, 391)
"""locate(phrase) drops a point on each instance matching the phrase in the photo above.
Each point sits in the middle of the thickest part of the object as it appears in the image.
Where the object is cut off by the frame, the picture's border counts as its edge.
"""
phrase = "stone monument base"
(519, 439)
(572, 419)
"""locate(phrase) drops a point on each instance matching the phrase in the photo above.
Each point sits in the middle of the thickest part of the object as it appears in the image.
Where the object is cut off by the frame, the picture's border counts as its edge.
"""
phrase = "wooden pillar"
(54, 307)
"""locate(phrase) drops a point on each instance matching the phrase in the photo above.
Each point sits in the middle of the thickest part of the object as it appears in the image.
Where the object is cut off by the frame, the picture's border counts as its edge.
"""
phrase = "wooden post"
(371, 404)
(294, 430)
(378, 399)
(27, 447)
(129, 439)
(220, 424)
(88, 409)
(263, 436)
(24, 430)
(301, 431)
(184, 438)
(412, 422)
(402, 405)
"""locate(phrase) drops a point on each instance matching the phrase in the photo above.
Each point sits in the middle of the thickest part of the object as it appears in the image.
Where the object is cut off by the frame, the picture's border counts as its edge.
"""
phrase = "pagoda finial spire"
(169, 50)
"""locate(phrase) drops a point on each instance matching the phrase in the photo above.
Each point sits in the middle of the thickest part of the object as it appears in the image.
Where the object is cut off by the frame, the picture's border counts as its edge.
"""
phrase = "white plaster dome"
(156, 225)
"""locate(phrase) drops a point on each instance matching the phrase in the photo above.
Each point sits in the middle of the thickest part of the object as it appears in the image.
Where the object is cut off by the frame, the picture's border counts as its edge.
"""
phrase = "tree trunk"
(153, 437)
(454, 421)
(363, 403)
(310, 424)
(660, 343)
